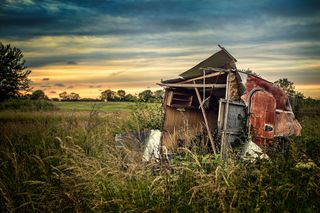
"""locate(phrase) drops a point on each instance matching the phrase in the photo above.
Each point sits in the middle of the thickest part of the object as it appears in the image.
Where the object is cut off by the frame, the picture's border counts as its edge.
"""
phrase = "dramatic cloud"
(72, 62)
(116, 73)
(59, 84)
(95, 86)
(136, 43)
(70, 87)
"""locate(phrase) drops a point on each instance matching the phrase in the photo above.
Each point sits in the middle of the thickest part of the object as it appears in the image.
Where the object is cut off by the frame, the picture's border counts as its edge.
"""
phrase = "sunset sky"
(89, 46)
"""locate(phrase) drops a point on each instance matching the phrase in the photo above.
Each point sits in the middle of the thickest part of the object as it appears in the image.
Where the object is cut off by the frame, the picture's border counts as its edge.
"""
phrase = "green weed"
(69, 162)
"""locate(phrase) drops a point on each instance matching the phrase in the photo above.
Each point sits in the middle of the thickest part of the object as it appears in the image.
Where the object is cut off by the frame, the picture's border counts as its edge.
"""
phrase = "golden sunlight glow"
(114, 63)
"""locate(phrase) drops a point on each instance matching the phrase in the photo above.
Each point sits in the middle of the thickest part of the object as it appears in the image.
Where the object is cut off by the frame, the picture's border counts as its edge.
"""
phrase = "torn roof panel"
(221, 59)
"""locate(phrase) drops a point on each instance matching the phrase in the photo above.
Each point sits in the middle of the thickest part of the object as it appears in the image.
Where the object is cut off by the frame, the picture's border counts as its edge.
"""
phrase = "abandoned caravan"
(218, 107)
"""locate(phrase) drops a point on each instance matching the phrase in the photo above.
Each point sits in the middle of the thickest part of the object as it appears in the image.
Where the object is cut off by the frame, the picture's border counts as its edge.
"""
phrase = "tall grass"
(27, 105)
(64, 163)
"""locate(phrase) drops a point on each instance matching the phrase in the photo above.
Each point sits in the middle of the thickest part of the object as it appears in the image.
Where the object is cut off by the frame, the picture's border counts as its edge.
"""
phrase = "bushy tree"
(158, 95)
(296, 98)
(108, 95)
(286, 85)
(146, 96)
(63, 95)
(13, 72)
(38, 95)
(74, 96)
(121, 93)
(130, 98)
(69, 97)
(250, 72)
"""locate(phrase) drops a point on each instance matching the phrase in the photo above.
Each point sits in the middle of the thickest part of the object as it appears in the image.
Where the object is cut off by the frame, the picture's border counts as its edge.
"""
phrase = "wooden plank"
(206, 122)
(193, 85)
(201, 77)
(225, 145)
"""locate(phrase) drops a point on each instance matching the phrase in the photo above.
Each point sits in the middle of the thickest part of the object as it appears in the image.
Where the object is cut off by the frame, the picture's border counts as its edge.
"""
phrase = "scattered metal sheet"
(147, 142)
(152, 148)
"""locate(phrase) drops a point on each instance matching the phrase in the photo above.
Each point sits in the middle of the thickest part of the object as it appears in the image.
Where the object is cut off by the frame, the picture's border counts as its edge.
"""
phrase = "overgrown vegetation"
(26, 104)
(14, 74)
(51, 162)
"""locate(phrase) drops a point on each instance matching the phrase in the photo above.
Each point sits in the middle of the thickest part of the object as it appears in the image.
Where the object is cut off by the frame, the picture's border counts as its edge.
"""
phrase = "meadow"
(54, 158)
(88, 106)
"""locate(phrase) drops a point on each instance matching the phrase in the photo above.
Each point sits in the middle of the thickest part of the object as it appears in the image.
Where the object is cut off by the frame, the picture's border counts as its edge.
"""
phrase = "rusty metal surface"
(286, 124)
(262, 118)
(271, 113)
(279, 95)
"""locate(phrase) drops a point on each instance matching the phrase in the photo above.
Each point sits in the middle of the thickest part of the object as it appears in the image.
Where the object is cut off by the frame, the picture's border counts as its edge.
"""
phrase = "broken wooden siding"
(181, 124)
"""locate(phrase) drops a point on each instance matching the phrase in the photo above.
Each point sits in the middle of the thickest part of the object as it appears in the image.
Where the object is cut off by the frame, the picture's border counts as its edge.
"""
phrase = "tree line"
(120, 95)
(14, 82)
(106, 96)
(110, 96)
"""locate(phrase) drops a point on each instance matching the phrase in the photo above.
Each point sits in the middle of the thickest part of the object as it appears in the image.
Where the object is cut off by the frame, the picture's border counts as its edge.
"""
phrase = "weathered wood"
(225, 146)
(206, 121)
(184, 125)
(201, 77)
(193, 85)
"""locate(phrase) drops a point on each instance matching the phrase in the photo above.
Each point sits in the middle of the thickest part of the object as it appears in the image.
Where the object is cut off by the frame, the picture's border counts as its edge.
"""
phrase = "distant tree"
(297, 99)
(158, 94)
(146, 96)
(286, 85)
(130, 98)
(121, 93)
(13, 72)
(38, 95)
(250, 72)
(73, 96)
(54, 99)
(63, 95)
(69, 97)
(108, 95)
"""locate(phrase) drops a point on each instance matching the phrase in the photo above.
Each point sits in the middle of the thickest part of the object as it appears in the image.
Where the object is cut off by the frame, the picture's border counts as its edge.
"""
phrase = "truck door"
(262, 117)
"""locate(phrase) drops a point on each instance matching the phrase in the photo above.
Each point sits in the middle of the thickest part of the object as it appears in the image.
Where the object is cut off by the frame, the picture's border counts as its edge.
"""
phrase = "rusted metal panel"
(279, 95)
(282, 116)
(286, 124)
(262, 117)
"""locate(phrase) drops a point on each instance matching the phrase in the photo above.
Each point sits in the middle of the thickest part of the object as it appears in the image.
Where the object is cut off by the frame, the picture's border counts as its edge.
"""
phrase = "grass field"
(67, 161)
(88, 106)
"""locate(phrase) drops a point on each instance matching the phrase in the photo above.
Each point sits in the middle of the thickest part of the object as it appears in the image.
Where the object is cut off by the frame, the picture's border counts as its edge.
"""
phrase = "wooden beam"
(225, 145)
(193, 85)
(206, 122)
(201, 77)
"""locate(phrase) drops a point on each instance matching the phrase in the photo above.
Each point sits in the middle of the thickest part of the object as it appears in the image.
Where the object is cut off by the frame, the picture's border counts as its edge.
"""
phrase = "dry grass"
(63, 162)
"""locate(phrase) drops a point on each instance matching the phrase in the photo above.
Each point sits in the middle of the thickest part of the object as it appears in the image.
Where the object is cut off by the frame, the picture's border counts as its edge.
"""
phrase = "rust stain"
(271, 114)
(286, 124)
(262, 119)
(280, 96)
